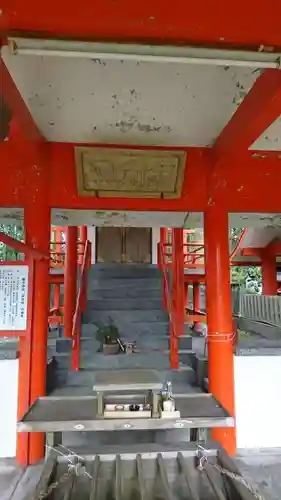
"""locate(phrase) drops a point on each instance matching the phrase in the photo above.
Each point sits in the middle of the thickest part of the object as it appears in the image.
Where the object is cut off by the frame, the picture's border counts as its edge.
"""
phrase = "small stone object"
(130, 346)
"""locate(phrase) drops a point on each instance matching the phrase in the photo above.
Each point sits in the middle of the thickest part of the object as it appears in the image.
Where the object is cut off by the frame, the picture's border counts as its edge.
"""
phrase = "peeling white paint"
(128, 102)
(63, 217)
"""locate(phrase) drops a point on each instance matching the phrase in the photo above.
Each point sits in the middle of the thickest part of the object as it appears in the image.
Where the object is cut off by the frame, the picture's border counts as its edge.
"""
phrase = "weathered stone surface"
(108, 172)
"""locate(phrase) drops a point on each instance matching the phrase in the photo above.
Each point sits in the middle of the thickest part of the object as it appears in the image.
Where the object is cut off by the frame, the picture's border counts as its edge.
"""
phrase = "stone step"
(86, 377)
(206, 384)
(100, 440)
(121, 304)
(132, 330)
(141, 360)
(123, 271)
(143, 342)
(126, 361)
(124, 317)
(114, 283)
(96, 360)
(125, 292)
(89, 344)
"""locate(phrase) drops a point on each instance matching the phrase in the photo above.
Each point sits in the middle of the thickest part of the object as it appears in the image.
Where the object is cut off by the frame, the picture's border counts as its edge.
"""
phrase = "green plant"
(16, 232)
(107, 333)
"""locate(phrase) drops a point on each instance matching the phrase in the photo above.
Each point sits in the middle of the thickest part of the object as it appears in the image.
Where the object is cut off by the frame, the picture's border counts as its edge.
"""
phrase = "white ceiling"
(129, 102)
(271, 138)
(259, 238)
(62, 217)
(118, 218)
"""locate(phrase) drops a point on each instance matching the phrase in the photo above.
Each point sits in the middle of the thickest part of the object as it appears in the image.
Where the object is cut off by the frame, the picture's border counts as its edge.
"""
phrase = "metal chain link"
(76, 468)
(63, 479)
(202, 457)
(238, 479)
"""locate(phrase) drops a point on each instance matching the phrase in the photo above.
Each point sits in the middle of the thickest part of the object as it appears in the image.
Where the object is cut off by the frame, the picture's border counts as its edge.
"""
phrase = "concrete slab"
(127, 380)
(262, 470)
(27, 483)
(10, 475)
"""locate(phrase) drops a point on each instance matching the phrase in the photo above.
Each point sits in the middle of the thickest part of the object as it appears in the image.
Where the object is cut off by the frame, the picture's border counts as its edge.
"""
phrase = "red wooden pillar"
(70, 279)
(83, 236)
(219, 313)
(269, 274)
(178, 311)
(37, 233)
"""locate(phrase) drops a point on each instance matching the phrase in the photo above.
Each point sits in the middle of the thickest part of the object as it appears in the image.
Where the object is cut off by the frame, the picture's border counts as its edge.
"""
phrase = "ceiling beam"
(22, 127)
(195, 23)
(251, 252)
(251, 184)
(260, 108)
(27, 250)
(245, 263)
(272, 248)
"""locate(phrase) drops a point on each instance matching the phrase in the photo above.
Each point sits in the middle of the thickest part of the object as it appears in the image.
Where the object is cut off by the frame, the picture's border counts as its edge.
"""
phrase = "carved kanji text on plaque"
(109, 172)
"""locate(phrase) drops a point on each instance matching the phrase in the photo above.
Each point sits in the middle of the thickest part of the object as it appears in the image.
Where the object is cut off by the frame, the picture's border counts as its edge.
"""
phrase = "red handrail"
(238, 245)
(164, 269)
(169, 306)
(57, 256)
(80, 307)
(192, 250)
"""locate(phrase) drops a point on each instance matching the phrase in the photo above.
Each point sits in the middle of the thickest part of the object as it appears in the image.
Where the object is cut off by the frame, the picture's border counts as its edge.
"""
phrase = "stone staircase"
(131, 295)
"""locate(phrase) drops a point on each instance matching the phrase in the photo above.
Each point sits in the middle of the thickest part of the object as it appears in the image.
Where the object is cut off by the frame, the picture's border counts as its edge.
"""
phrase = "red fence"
(80, 307)
(192, 254)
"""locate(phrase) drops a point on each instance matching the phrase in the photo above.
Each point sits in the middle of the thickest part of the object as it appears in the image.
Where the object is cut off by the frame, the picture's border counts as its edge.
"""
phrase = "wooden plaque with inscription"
(129, 173)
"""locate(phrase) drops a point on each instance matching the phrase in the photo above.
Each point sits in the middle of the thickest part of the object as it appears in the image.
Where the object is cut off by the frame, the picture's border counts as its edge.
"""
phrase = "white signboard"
(13, 297)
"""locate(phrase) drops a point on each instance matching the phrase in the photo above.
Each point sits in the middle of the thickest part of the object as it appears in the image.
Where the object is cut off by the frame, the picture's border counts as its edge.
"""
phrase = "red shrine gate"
(41, 134)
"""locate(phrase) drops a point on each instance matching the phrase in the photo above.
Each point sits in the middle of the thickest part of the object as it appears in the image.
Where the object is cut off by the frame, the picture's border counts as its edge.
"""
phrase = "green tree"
(248, 276)
(16, 232)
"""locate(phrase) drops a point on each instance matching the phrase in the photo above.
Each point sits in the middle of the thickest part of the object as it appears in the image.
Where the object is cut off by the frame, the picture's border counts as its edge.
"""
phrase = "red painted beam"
(194, 278)
(12, 333)
(197, 318)
(204, 22)
(56, 278)
(260, 108)
(245, 263)
(251, 252)
(273, 248)
(55, 320)
(22, 247)
(63, 164)
(248, 184)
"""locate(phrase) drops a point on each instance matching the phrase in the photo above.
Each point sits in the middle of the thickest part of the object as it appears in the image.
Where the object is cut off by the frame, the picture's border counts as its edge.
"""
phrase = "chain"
(238, 479)
(75, 468)
(202, 458)
(63, 479)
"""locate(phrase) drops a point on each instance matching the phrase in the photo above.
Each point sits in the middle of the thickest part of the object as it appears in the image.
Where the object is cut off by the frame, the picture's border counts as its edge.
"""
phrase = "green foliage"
(247, 277)
(234, 235)
(107, 334)
(16, 232)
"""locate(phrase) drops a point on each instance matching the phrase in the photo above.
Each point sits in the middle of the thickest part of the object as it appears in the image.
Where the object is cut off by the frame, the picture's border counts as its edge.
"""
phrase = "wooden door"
(123, 244)
(109, 244)
(137, 245)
